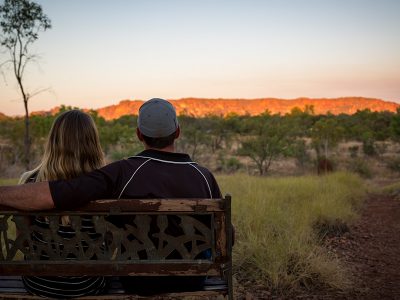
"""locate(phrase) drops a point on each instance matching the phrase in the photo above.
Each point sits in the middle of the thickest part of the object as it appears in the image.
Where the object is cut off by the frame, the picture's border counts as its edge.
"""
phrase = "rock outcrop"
(200, 107)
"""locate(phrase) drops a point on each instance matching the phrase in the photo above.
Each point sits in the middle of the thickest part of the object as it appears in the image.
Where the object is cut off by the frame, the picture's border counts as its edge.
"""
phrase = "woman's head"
(72, 148)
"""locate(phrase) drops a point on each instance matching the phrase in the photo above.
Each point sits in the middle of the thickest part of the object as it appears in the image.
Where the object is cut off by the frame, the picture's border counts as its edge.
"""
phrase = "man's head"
(157, 123)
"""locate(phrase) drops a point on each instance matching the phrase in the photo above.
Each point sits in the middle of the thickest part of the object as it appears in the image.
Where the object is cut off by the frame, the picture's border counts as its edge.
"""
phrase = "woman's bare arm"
(33, 196)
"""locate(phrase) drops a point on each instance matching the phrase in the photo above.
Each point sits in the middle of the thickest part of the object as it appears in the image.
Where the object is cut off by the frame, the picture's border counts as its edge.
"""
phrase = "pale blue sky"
(100, 52)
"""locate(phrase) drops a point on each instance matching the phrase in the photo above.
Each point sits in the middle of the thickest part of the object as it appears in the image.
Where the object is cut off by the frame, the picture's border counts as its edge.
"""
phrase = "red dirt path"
(371, 250)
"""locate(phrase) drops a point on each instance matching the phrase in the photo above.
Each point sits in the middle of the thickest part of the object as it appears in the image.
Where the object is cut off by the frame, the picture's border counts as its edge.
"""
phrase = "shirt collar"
(163, 155)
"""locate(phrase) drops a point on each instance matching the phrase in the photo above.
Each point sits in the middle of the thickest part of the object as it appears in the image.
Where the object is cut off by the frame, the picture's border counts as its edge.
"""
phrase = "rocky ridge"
(200, 107)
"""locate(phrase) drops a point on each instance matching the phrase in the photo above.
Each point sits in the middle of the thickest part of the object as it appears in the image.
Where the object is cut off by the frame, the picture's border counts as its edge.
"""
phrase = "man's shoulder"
(203, 169)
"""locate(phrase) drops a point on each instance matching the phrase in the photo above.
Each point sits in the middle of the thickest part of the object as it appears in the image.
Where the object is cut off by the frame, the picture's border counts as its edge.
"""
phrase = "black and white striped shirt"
(63, 286)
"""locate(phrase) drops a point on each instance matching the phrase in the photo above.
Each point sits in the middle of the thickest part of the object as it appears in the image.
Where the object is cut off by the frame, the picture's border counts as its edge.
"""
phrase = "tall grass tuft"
(279, 223)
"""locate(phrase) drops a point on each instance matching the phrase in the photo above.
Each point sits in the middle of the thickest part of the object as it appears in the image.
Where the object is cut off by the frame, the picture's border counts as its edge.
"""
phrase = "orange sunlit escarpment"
(201, 107)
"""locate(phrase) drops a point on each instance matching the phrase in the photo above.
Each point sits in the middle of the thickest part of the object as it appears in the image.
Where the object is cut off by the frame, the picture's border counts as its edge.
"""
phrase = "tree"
(270, 139)
(218, 131)
(300, 121)
(20, 23)
(298, 150)
(326, 134)
(192, 137)
(395, 126)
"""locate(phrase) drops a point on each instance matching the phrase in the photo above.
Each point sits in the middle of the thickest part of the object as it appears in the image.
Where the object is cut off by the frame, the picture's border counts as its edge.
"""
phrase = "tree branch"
(20, 55)
(1, 70)
(28, 58)
(37, 92)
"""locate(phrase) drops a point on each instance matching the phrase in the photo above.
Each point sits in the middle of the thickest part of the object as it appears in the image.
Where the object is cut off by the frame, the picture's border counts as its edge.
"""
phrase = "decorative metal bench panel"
(146, 237)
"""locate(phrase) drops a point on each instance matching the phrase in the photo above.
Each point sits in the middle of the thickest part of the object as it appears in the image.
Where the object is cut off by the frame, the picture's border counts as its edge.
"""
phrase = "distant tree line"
(262, 139)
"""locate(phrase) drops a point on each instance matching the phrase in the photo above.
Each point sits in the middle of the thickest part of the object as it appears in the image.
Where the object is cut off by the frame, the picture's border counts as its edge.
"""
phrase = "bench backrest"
(163, 237)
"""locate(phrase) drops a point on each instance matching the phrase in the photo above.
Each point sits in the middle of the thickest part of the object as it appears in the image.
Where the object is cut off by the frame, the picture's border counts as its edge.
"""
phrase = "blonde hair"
(72, 148)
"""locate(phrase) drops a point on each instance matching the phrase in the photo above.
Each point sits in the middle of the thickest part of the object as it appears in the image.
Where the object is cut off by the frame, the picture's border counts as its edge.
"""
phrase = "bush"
(361, 167)
(229, 165)
(368, 147)
(394, 164)
(381, 148)
(354, 151)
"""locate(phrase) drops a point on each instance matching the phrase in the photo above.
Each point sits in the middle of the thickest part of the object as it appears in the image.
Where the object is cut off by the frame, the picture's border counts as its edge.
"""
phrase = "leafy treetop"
(21, 20)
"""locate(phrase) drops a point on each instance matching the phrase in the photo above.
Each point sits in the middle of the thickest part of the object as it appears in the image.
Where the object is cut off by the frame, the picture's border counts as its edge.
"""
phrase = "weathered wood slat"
(117, 269)
(220, 228)
(135, 205)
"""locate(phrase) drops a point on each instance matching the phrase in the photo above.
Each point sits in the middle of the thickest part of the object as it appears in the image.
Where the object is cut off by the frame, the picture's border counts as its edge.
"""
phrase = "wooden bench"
(145, 247)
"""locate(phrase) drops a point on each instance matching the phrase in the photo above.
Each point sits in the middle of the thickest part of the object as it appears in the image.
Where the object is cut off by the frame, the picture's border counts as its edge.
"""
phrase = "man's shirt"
(149, 174)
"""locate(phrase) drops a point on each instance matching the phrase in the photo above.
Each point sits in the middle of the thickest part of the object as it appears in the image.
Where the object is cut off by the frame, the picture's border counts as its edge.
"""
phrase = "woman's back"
(72, 148)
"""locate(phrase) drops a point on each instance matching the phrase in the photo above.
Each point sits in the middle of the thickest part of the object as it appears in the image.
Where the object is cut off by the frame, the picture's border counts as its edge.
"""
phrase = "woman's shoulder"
(29, 176)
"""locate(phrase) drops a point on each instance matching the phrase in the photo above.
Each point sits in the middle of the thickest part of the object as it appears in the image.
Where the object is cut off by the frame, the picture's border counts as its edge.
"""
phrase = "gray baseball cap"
(157, 118)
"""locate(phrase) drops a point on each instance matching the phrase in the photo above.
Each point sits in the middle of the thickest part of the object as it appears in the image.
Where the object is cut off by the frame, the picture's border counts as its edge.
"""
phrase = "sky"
(100, 52)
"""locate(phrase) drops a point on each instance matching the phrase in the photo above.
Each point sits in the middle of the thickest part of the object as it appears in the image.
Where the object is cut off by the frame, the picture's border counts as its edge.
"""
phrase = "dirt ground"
(370, 251)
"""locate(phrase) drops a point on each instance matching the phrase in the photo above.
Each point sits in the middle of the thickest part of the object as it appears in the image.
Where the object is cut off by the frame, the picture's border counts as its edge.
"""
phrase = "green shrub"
(368, 147)
(228, 165)
(353, 151)
(361, 167)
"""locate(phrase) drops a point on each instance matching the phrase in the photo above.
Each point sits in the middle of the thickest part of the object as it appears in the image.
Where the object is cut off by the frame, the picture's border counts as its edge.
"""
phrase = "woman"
(72, 148)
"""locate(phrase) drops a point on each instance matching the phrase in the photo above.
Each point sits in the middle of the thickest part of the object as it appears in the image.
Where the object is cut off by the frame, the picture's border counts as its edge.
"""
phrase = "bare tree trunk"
(260, 165)
(27, 139)
(268, 163)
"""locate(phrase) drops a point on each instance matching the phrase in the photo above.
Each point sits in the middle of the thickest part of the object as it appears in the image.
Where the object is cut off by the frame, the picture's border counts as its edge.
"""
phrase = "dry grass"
(278, 222)
(8, 181)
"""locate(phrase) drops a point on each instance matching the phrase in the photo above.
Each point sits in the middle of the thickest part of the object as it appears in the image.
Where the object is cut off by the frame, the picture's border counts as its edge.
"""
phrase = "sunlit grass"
(8, 181)
(278, 223)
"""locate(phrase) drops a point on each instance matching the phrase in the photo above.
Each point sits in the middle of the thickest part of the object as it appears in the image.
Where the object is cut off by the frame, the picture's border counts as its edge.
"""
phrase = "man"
(157, 172)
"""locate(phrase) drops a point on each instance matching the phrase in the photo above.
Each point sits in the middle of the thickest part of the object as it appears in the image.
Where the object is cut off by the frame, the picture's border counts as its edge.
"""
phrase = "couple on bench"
(72, 172)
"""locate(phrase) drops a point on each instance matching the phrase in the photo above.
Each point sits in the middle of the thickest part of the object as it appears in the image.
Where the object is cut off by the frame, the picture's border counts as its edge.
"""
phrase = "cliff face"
(198, 107)
(2, 116)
